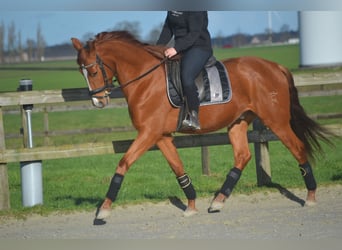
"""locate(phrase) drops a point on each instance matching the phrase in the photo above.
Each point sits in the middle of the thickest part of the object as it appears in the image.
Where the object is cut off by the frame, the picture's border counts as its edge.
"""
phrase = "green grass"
(41, 79)
(287, 55)
(97, 118)
(319, 104)
(45, 75)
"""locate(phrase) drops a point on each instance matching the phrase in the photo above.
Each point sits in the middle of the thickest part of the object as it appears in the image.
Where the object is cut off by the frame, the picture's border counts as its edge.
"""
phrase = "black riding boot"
(191, 121)
(192, 106)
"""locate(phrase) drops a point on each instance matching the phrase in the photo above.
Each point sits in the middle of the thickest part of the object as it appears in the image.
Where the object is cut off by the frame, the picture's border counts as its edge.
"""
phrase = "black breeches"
(192, 62)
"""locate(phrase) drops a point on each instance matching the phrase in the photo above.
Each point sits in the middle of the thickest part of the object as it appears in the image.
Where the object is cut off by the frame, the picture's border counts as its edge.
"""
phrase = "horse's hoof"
(190, 212)
(103, 214)
(310, 203)
(215, 206)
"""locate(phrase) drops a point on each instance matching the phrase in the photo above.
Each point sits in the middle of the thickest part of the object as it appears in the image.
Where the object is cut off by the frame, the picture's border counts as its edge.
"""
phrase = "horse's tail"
(306, 129)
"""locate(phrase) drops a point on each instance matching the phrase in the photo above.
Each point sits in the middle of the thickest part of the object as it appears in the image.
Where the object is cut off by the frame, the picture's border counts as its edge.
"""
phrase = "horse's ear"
(77, 44)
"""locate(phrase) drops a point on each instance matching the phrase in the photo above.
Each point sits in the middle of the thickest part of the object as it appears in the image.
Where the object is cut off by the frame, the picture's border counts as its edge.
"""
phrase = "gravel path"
(263, 215)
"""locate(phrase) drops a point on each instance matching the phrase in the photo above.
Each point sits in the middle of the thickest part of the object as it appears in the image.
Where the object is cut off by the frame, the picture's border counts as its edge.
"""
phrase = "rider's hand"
(170, 52)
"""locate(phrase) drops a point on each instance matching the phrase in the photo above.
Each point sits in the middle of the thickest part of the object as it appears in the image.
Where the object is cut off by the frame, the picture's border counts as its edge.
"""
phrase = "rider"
(192, 40)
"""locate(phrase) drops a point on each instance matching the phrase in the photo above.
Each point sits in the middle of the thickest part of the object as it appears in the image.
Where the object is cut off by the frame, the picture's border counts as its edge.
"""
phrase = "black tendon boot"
(231, 180)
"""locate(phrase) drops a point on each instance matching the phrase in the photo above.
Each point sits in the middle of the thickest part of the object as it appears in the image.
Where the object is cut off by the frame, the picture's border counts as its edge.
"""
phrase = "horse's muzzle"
(100, 102)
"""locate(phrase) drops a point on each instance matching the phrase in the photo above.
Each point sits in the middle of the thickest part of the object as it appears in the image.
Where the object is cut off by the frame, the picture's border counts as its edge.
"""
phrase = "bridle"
(109, 84)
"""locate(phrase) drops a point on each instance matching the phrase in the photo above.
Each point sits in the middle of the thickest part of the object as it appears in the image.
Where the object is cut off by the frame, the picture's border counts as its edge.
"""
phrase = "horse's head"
(95, 71)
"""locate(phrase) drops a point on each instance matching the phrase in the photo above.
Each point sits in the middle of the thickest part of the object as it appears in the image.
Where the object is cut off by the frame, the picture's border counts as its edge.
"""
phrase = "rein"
(110, 85)
(143, 74)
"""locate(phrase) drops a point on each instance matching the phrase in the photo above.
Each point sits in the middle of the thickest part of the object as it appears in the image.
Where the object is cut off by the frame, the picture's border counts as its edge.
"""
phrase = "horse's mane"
(125, 36)
(121, 35)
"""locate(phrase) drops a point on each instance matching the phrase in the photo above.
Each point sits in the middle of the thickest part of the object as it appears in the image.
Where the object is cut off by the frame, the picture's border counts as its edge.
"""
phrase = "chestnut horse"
(260, 88)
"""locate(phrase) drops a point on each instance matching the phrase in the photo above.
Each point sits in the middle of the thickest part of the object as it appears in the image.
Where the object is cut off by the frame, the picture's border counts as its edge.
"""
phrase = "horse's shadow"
(177, 203)
(288, 194)
(97, 201)
(283, 191)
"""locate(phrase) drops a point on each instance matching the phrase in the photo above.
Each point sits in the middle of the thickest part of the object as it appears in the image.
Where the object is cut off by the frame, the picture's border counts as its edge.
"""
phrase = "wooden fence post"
(46, 127)
(23, 129)
(205, 160)
(4, 188)
(262, 158)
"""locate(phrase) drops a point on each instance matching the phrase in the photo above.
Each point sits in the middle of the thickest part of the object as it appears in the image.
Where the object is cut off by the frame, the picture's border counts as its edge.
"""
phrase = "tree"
(40, 44)
(2, 42)
(20, 47)
(11, 38)
(30, 49)
(87, 36)
(268, 32)
(154, 34)
(131, 27)
(219, 40)
(284, 28)
(239, 39)
(285, 32)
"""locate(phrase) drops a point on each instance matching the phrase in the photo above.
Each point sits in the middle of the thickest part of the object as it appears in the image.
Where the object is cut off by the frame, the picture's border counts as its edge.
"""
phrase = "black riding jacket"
(189, 28)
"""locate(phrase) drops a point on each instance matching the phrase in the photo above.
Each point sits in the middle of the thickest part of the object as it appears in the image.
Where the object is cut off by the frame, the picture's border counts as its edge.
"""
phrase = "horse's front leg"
(169, 151)
(239, 141)
(140, 145)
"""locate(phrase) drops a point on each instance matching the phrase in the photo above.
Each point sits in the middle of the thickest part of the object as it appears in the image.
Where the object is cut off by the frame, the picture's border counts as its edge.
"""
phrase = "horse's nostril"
(97, 103)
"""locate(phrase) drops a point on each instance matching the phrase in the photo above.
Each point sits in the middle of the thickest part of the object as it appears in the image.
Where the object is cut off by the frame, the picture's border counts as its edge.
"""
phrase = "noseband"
(108, 83)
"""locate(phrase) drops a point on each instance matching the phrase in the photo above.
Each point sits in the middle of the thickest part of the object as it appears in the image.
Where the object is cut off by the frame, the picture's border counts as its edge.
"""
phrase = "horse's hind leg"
(238, 138)
(169, 151)
(297, 148)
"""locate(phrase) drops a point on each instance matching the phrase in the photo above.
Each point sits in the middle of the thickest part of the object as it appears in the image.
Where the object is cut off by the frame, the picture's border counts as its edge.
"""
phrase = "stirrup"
(191, 121)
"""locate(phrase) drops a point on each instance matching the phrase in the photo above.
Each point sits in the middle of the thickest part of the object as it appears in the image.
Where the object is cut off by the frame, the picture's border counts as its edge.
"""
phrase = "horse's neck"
(128, 59)
(156, 51)
(132, 62)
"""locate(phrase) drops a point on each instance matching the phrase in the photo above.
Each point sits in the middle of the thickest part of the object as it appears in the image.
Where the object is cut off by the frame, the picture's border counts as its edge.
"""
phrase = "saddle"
(212, 83)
